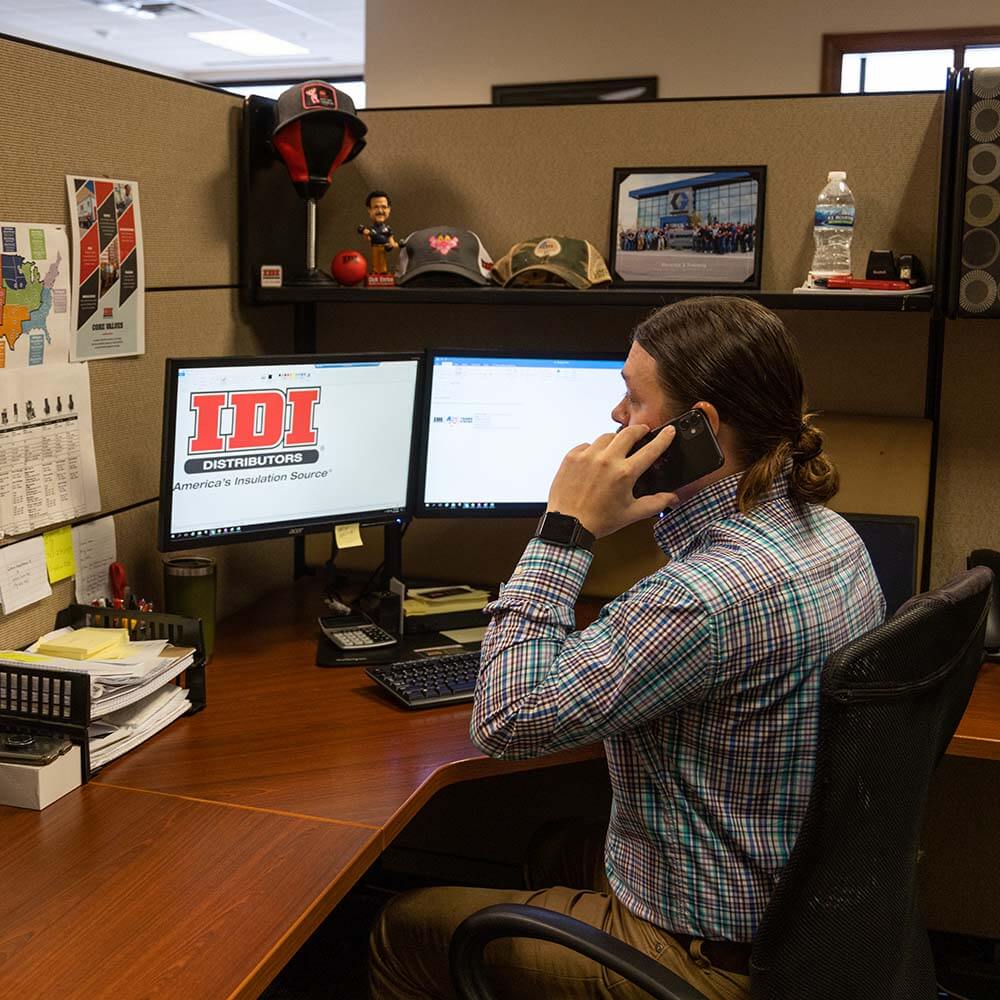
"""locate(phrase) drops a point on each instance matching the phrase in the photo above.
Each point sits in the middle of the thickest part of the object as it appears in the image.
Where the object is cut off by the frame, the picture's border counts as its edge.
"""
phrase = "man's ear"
(710, 412)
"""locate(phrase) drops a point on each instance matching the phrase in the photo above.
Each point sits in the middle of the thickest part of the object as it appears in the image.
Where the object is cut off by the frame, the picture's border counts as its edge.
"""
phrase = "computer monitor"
(497, 425)
(269, 446)
(891, 541)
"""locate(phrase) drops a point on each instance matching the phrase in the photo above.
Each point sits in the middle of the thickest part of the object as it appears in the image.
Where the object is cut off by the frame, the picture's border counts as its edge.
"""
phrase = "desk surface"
(200, 863)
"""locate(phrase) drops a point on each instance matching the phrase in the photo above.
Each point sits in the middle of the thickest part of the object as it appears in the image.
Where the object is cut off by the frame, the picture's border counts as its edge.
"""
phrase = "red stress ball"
(349, 267)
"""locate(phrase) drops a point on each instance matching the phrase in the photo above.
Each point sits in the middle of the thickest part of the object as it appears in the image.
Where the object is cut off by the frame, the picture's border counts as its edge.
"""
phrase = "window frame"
(835, 47)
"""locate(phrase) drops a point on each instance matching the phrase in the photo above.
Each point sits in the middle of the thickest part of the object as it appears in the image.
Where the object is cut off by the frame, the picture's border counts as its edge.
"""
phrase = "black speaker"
(974, 272)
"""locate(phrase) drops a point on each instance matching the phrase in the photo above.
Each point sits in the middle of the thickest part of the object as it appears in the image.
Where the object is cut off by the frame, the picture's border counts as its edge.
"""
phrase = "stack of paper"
(118, 732)
(86, 644)
(444, 600)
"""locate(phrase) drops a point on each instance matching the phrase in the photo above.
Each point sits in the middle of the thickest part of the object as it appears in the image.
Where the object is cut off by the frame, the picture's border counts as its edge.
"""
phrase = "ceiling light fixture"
(138, 9)
(248, 42)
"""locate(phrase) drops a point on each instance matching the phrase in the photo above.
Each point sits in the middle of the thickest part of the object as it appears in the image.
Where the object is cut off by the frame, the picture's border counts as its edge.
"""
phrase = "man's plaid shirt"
(703, 682)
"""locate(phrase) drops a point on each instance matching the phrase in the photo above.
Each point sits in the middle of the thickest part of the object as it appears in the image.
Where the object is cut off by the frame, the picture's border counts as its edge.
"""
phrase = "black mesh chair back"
(843, 921)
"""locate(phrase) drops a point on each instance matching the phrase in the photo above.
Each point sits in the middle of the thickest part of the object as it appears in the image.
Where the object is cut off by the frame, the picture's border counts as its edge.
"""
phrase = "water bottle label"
(834, 215)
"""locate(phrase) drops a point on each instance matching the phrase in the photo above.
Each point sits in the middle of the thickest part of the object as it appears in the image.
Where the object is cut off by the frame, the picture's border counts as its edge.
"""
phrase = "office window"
(868, 63)
(878, 72)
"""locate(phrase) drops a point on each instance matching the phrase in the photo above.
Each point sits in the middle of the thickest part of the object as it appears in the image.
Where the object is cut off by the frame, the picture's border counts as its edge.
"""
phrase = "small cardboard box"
(34, 786)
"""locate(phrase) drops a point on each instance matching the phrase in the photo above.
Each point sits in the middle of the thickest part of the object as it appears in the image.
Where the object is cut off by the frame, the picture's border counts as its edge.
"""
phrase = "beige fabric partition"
(510, 173)
(967, 504)
(179, 142)
(507, 173)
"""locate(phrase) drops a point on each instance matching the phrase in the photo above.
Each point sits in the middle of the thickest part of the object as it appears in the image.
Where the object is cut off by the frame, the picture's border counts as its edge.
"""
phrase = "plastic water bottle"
(833, 228)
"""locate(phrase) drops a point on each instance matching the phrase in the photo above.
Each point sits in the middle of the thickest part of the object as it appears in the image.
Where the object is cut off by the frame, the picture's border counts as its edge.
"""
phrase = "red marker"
(878, 284)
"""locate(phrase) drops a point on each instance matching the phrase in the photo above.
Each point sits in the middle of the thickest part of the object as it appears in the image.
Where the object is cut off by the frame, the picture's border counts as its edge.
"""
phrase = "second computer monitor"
(496, 426)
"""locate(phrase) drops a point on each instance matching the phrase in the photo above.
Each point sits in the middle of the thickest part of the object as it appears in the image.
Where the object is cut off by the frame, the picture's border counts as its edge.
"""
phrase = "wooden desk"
(199, 864)
(281, 734)
(112, 893)
(978, 734)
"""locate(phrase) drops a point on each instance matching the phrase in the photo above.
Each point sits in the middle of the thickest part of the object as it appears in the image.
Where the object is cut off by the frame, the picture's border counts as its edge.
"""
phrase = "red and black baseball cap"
(316, 129)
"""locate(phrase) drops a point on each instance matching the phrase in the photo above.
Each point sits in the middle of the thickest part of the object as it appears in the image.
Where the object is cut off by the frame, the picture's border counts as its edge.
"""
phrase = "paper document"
(46, 448)
(34, 295)
(23, 579)
(114, 683)
(120, 731)
(94, 550)
(465, 635)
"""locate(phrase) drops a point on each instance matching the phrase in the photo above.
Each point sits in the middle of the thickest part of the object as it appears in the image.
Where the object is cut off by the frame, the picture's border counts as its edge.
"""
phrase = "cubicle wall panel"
(127, 393)
(967, 502)
(512, 173)
(65, 114)
(245, 573)
(856, 362)
(853, 362)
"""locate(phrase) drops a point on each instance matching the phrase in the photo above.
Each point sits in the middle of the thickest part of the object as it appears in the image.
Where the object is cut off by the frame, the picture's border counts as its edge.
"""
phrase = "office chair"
(990, 558)
(842, 922)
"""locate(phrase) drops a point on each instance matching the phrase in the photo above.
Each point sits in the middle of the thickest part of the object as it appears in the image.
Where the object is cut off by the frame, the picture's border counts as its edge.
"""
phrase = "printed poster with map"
(34, 295)
(108, 313)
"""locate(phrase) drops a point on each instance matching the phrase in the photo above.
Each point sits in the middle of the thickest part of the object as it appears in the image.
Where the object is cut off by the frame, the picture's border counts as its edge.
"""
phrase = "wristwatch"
(561, 529)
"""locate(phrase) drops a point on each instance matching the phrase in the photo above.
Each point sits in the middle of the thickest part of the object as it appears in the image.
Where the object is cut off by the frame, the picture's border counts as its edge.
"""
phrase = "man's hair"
(372, 195)
(737, 355)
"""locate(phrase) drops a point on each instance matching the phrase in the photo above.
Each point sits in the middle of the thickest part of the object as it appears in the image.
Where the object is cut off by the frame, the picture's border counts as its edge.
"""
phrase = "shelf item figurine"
(315, 131)
(379, 235)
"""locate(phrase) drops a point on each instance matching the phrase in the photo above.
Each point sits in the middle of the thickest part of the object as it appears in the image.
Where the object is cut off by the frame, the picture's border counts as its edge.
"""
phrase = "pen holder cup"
(189, 590)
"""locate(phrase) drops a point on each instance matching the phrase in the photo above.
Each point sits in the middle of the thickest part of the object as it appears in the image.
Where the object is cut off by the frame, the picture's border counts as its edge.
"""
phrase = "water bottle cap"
(837, 175)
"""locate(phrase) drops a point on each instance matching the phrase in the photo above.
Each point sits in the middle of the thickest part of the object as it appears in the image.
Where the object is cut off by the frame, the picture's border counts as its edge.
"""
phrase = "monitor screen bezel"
(420, 509)
(908, 520)
(307, 526)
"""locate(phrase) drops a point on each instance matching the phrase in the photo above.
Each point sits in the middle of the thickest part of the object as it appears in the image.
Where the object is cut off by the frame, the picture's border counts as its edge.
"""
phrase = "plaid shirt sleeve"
(543, 687)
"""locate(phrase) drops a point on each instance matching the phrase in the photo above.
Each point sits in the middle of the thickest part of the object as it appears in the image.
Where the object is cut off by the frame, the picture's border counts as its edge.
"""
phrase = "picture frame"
(706, 225)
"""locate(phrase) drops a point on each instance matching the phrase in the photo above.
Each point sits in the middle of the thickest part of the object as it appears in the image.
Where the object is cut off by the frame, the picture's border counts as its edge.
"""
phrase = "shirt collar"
(679, 528)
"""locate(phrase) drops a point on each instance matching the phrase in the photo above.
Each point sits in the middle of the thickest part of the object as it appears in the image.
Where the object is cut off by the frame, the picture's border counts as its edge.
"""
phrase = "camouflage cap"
(552, 260)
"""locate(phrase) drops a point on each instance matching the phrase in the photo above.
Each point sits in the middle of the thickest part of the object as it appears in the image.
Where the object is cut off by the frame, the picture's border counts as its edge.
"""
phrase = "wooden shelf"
(637, 297)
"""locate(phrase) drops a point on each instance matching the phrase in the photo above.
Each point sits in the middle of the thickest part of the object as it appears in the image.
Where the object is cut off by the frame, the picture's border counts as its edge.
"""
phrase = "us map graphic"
(34, 295)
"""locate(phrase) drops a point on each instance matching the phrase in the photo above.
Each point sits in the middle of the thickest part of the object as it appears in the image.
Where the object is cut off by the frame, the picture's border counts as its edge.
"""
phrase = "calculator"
(355, 632)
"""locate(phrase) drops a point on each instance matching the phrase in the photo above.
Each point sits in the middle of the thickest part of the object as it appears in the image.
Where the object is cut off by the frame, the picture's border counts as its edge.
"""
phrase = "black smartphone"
(694, 453)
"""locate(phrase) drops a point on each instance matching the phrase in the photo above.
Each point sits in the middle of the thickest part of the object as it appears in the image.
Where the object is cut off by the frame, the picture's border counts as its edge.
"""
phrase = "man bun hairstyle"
(737, 355)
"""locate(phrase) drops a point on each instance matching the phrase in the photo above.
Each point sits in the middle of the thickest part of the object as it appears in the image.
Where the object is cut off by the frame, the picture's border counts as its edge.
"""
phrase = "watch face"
(559, 528)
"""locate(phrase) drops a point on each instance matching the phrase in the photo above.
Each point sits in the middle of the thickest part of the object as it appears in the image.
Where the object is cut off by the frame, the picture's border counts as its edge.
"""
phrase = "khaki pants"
(380, 264)
(409, 949)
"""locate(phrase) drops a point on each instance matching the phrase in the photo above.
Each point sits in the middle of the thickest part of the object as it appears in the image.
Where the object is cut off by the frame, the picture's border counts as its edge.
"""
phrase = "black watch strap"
(561, 529)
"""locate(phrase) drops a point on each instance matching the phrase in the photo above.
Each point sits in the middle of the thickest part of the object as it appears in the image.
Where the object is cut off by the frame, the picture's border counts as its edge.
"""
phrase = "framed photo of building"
(688, 227)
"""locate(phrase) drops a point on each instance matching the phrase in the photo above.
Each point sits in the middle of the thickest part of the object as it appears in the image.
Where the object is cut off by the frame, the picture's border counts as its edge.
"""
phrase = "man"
(378, 234)
(702, 679)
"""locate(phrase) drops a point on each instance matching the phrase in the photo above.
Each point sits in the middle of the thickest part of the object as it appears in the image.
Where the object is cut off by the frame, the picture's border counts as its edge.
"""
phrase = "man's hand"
(594, 483)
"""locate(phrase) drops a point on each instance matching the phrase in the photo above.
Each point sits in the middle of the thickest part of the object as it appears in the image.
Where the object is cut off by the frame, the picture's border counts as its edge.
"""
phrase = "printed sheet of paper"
(95, 550)
(109, 281)
(34, 295)
(48, 472)
(23, 579)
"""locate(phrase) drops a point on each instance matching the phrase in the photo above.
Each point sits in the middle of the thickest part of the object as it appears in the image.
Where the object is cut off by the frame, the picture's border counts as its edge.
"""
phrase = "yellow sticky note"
(59, 554)
(348, 535)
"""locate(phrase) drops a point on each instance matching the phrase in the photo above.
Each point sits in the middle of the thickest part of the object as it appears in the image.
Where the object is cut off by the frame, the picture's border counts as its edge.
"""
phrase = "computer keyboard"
(438, 680)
